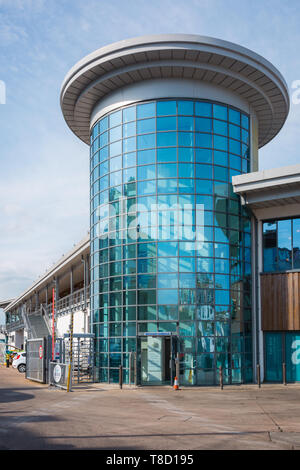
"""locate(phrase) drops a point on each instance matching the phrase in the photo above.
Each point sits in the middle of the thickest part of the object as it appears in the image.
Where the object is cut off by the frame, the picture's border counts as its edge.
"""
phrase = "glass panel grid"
(185, 149)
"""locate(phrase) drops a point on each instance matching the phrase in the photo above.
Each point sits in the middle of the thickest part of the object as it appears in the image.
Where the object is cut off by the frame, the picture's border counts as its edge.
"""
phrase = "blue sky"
(44, 174)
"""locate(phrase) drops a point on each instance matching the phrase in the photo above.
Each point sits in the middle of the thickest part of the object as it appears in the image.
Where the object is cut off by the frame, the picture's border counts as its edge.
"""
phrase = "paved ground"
(34, 416)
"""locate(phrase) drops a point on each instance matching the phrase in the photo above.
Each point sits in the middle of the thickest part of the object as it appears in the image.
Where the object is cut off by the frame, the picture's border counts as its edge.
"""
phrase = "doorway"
(156, 360)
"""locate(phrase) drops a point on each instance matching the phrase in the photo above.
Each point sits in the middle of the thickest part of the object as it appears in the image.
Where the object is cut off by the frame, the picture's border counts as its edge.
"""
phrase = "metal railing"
(70, 303)
(14, 325)
(78, 300)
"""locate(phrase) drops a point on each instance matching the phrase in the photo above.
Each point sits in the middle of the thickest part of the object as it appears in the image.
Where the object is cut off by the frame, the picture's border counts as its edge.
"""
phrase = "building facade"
(170, 120)
(273, 196)
(62, 289)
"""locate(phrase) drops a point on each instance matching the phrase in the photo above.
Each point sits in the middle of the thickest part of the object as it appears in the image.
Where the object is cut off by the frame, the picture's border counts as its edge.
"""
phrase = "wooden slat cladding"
(280, 301)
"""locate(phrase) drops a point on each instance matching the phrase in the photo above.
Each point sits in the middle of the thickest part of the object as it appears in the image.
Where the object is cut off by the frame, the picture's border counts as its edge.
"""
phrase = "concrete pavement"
(95, 416)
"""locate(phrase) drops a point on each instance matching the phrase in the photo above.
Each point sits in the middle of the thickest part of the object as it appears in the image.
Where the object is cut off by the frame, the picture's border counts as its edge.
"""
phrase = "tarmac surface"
(96, 416)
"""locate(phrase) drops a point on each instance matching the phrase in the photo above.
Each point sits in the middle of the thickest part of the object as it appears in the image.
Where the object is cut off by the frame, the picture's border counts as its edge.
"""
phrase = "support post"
(130, 368)
(135, 369)
(53, 321)
(177, 366)
(121, 377)
(221, 378)
(71, 351)
(258, 375)
(284, 373)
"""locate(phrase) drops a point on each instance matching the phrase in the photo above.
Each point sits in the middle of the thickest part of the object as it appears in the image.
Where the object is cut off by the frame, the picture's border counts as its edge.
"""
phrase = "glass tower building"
(170, 120)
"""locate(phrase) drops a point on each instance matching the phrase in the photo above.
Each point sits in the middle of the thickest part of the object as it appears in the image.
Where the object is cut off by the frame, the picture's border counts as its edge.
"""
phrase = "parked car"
(19, 362)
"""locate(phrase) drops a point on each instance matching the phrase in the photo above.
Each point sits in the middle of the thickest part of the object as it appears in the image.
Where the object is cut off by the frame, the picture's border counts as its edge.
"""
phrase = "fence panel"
(36, 353)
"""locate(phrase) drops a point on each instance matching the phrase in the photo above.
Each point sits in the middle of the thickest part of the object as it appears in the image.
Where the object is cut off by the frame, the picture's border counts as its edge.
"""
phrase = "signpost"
(71, 351)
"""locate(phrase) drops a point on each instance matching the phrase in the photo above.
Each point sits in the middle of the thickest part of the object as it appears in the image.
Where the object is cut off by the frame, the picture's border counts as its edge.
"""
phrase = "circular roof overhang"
(176, 56)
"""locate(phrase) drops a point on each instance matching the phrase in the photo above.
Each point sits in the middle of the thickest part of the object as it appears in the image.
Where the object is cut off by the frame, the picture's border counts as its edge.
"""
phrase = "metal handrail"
(78, 299)
(72, 301)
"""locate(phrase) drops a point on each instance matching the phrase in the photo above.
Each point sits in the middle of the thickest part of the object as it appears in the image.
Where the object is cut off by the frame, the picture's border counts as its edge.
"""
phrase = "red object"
(41, 352)
(53, 325)
(18, 356)
(176, 384)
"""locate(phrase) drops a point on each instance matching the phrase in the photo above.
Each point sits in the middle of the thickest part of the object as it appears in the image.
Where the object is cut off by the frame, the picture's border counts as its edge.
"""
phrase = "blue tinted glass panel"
(129, 175)
(185, 154)
(284, 244)
(103, 124)
(146, 172)
(234, 147)
(204, 186)
(203, 109)
(234, 116)
(220, 112)
(185, 123)
(220, 127)
(203, 140)
(273, 349)
(145, 110)
(296, 243)
(165, 108)
(146, 126)
(115, 119)
(145, 141)
(129, 114)
(292, 356)
(129, 129)
(129, 159)
(166, 139)
(167, 170)
(234, 132)
(146, 156)
(203, 125)
(270, 246)
(220, 143)
(167, 249)
(186, 170)
(167, 296)
(115, 148)
(185, 139)
(204, 171)
(186, 107)
(166, 155)
(115, 133)
(203, 156)
(166, 123)
(146, 187)
(167, 186)
(245, 121)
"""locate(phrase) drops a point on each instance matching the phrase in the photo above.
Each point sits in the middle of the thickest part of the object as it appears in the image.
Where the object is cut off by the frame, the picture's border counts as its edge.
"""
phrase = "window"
(281, 240)
(187, 261)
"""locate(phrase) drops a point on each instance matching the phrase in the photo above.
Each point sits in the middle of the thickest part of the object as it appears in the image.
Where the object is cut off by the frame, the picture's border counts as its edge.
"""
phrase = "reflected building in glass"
(170, 120)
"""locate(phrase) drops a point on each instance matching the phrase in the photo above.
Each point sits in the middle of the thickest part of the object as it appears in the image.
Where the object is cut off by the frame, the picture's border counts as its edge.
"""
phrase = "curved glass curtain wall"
(161, 271)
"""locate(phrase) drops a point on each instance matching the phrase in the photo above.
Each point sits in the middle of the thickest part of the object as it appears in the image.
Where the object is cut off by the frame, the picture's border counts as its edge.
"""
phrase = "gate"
(58, 374)
(83, 357)
(36, 359)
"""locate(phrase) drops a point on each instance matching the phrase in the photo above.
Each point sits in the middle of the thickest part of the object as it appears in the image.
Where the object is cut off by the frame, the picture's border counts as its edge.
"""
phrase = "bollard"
(284, 373)
(177, 365)
(7, 360)
(258, 375)
(121, 377)
(221, 378)
(130, 368)
(135, 369)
